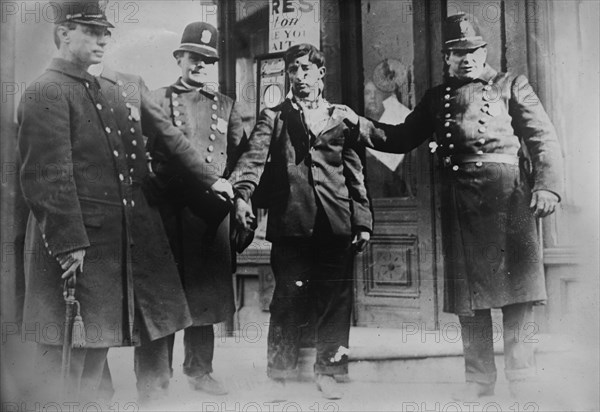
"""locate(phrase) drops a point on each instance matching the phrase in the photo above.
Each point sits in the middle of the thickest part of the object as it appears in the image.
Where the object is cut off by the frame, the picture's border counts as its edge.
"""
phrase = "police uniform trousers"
(492, 260)
(310, 273)
(478, 344)
(153, 360)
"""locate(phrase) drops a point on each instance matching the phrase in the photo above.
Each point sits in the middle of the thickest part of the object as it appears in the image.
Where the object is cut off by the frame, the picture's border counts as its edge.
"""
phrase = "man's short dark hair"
(314, 55)
(69, 25)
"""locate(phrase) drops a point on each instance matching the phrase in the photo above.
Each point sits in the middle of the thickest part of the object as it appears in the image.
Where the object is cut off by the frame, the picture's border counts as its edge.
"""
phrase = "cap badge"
(102, 5)
(206, 36)
(466, 29)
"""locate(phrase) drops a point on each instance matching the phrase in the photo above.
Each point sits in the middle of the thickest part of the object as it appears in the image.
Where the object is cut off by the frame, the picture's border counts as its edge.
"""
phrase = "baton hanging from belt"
(74, 330)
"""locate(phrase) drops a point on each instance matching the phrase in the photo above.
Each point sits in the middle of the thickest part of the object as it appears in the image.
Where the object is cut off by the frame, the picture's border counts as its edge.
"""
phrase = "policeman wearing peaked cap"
(197, 223)
(461, 32)
(88, 12)
(483, 122)
(98, 222)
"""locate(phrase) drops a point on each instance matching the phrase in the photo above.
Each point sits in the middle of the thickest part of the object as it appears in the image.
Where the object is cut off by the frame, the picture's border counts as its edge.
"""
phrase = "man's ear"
(446, 57)
(63, 34)
(322, 71)
(179, 56)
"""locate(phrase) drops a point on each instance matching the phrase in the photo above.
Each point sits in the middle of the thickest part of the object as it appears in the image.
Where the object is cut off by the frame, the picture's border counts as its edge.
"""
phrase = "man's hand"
(347, 114)
(543, 203)
(243, 214)
(360, 241)
(223, 190)
(70, 261)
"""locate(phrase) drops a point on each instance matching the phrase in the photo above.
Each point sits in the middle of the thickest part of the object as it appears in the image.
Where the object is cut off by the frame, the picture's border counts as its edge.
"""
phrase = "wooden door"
(398, 277)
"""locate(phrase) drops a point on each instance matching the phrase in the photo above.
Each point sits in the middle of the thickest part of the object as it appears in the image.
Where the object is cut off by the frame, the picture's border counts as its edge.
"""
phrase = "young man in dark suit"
(318, 215)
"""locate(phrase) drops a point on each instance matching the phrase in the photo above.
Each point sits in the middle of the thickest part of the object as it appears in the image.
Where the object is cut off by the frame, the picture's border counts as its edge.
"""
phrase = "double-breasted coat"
(197, 223)
(482, 129)
(83, 162)
(303, 173)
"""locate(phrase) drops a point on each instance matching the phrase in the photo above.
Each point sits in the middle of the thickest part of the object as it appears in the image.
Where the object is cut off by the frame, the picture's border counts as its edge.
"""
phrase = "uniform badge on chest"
(134, 112)
(221, 125)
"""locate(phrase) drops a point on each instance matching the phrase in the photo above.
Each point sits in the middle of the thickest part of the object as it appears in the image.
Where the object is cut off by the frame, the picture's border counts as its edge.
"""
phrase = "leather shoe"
(473, 390)
(208, 384)
(328, 386)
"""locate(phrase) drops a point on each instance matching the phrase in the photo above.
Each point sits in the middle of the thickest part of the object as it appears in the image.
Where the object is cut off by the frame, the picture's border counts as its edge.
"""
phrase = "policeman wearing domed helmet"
(197, 224)
(483, 122)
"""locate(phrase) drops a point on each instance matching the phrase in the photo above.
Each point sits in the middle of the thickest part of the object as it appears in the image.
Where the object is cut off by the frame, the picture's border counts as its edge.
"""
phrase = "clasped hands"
(244, 216)
(223, 190)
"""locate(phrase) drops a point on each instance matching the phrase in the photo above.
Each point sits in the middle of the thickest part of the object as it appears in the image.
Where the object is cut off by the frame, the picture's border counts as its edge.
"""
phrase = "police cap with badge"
(461, 32)
(88, 12)
(200, 38)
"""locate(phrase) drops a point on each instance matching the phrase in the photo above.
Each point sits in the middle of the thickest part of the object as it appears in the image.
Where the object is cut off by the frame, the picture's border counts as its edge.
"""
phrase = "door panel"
(396, 280)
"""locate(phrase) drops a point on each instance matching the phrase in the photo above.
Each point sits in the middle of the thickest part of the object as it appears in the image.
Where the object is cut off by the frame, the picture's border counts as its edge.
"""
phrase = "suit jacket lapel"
(296, 130)
(334, 121)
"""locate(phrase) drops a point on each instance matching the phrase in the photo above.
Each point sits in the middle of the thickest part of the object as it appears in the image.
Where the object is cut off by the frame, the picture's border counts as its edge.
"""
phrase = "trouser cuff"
(196, 372)
(331, 369)
(483, 378)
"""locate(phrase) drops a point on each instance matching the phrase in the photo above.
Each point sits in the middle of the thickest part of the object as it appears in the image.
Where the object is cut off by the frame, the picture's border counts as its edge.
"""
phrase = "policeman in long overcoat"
(197, 226)
(83, 162)
(483, 122)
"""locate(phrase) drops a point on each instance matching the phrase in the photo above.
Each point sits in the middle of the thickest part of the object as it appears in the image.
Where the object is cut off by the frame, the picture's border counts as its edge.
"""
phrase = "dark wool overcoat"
(83, 162)
(491, 251)
(197, 224)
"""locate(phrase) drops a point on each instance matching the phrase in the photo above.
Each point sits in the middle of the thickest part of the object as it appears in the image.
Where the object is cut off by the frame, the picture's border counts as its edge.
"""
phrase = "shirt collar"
(290, 96)
(70, 69)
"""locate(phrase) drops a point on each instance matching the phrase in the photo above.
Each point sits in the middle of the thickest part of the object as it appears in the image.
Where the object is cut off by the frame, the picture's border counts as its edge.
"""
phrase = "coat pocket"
(92, 212)
(93, 218)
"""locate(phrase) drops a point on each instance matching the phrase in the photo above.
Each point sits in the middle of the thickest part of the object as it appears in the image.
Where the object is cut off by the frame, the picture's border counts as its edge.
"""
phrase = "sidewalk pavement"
(389, 371)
